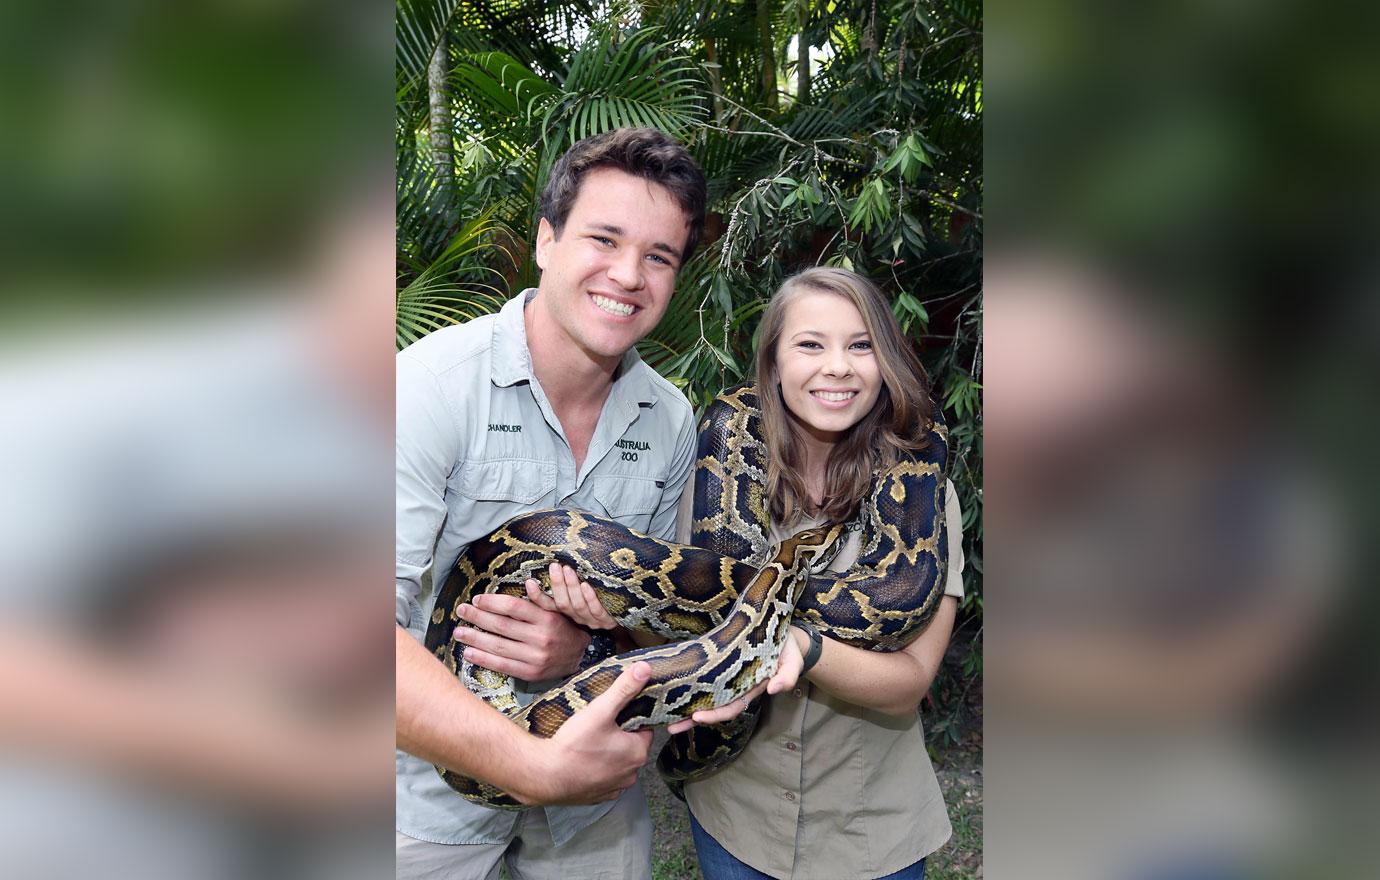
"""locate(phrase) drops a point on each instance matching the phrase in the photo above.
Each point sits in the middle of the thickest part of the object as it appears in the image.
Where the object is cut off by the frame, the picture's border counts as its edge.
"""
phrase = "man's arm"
(588, 760)
(437, 718)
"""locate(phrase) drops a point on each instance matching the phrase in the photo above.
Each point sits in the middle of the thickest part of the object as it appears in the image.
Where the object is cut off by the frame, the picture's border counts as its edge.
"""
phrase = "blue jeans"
(717, 863)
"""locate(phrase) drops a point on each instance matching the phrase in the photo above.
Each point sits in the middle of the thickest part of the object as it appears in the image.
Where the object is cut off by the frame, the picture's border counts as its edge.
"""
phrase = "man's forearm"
(440, 721)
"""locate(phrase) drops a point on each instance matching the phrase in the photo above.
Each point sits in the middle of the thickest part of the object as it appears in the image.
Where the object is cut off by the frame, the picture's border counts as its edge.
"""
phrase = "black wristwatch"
(601, 646)
(814, 650)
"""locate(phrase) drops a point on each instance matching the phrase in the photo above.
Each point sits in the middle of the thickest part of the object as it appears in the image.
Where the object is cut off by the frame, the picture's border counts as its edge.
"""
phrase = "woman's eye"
(810, 345)
(863, 345)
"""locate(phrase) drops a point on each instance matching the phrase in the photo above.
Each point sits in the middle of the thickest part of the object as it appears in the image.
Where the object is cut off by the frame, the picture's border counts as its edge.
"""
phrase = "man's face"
(608, 277)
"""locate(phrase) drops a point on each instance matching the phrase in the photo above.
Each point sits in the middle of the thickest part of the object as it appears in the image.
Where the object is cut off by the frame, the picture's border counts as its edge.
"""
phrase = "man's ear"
(546, 237)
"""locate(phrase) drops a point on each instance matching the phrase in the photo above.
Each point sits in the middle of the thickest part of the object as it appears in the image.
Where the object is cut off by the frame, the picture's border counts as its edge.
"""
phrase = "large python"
(726, 601)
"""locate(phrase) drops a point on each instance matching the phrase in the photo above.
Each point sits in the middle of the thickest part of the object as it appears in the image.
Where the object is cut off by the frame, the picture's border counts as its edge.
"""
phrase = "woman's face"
(829, 374)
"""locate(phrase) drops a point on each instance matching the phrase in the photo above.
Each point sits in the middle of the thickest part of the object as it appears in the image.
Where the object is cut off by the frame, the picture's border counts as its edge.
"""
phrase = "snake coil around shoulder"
(726, 601)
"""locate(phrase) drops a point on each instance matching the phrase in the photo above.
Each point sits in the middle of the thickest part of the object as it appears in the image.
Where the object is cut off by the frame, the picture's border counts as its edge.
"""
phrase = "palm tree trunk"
(711, 55)
(767, 46)
(441, 142)
(802, 65)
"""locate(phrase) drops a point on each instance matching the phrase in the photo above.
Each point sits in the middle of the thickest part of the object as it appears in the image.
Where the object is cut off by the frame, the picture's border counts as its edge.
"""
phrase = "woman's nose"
(837, 363)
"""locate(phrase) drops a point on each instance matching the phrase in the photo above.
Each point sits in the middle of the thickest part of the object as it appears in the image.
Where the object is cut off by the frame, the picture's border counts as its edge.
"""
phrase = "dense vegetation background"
(847, 133)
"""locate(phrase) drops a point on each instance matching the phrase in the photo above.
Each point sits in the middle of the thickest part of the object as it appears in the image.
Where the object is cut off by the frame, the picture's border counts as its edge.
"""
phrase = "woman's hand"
(788, 666)
(571, 597)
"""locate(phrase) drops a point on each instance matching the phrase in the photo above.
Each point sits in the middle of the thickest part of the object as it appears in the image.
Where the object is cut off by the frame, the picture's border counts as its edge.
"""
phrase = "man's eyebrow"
(618, 230)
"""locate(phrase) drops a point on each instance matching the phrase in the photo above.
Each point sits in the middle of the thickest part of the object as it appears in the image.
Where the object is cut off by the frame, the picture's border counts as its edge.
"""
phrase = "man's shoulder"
(451, 347)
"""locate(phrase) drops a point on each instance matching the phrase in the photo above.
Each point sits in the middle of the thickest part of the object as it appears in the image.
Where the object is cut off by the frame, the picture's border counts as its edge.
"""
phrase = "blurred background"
(1181, 346)
(196, 386)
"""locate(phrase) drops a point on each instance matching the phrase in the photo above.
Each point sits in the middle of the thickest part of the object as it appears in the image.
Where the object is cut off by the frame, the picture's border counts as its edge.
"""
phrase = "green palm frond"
(459, 285)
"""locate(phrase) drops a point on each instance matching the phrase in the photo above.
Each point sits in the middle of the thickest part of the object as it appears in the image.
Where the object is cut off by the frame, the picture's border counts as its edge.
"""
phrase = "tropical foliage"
(845, 132)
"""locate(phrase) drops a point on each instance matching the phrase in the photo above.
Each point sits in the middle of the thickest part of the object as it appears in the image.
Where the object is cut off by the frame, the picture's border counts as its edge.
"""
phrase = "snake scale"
(725, 601)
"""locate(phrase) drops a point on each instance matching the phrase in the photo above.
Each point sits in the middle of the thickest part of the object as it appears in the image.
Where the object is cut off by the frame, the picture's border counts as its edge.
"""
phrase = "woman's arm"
(893, 683)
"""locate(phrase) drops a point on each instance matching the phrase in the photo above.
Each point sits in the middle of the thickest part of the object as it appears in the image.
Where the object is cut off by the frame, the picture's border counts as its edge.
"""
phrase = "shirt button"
(790, 747)
(797, 693)
(790, 795)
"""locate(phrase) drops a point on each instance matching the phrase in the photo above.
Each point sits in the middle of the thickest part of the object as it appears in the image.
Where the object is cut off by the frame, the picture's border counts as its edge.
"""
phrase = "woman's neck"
(815, 466)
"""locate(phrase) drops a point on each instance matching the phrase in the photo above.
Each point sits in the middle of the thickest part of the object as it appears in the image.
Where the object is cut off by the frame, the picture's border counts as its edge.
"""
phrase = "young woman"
(836, 782)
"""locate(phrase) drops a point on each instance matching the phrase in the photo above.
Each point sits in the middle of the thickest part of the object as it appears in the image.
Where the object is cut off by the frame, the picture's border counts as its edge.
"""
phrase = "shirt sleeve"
(685, 512)
(427, 451)
(953, 518)
(664, 520)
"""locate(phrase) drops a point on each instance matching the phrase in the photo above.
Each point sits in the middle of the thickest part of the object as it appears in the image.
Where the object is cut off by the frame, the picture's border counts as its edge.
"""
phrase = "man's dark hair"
(641, 152)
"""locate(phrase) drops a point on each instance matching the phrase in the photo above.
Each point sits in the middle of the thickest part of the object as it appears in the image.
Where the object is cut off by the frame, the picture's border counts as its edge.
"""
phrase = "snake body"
(726, 600)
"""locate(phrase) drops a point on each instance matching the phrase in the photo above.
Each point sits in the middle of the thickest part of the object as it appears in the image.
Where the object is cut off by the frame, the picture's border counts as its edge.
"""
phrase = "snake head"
(818, 546)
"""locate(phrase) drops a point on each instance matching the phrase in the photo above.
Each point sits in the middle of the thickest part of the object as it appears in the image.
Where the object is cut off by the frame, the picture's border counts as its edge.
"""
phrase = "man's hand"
(519, 638)
(788, 666)
(571, 597)
(590, 759)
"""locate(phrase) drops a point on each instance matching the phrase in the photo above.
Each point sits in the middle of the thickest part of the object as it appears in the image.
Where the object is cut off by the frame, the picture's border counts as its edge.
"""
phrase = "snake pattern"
(725, 601)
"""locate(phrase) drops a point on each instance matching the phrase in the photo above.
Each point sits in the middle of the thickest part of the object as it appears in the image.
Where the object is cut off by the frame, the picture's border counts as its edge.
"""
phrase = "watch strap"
(815, 648)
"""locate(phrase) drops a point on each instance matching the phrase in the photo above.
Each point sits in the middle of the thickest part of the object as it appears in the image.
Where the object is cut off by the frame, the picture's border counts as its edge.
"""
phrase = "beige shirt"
(827, 790)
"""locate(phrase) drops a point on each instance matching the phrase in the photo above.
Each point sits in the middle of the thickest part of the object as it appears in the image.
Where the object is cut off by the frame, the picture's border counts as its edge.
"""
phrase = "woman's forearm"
(893, 683)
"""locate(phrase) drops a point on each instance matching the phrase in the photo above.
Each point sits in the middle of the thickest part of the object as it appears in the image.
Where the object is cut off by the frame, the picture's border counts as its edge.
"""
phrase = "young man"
(543, 405)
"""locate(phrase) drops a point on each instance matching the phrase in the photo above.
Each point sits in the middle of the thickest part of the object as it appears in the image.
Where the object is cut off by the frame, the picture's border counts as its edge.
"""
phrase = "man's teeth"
(612, 307)
(835, 396)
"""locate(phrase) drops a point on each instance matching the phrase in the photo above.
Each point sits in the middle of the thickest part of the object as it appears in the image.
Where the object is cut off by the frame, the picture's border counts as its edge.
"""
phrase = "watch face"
(601, 646)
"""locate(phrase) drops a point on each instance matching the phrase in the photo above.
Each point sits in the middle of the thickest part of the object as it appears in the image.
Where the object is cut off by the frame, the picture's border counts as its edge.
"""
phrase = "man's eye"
(603, 240)
(660, 259)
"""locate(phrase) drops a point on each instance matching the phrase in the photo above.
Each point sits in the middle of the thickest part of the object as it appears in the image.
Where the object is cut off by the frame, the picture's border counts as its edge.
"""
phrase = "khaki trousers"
(617, 847)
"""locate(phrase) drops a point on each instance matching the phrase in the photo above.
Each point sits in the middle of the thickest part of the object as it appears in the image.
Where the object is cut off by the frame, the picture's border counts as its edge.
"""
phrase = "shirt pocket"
(630, 500)
(496, 491)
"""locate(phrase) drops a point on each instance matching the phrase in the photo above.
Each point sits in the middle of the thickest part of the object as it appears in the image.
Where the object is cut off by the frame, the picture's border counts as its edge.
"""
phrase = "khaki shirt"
(827, 790)
(477, 444)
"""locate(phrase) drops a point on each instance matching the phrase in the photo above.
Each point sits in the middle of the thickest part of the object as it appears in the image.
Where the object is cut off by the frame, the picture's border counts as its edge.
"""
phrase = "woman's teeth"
(612, 307)
(835, 396)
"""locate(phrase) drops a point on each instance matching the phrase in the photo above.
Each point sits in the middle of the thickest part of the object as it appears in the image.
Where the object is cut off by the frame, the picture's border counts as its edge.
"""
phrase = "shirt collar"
(511, 362)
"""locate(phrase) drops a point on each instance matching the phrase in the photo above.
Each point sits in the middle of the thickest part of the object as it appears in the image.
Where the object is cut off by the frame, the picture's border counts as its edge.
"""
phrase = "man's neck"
(575, 383)
(569, 376)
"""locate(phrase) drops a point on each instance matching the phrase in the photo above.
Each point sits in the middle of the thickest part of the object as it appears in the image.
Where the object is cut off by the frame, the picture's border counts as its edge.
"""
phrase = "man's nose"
(626, 270)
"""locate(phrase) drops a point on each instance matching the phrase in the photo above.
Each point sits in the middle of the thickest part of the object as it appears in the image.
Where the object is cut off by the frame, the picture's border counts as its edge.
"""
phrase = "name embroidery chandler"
(506, 429)
(637, 445)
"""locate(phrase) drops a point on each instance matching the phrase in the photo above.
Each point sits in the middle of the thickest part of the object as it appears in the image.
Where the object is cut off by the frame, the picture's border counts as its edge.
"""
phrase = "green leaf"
(723, 294)
(724, 357)
(914, 306)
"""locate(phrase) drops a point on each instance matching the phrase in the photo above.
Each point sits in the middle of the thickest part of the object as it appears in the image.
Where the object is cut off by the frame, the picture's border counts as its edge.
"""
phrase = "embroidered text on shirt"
(506, 429)
(631, 448)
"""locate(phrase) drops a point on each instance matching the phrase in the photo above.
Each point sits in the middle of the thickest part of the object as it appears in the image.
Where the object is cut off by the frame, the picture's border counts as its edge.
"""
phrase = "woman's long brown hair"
(900, 419)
